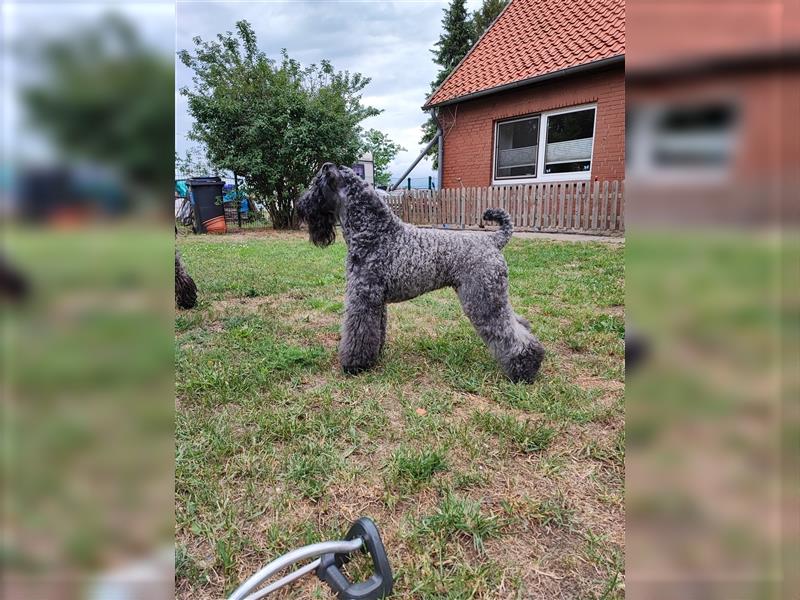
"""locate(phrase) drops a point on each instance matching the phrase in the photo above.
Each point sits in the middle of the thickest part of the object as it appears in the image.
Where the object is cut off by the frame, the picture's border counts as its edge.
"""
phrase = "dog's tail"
(501, 217)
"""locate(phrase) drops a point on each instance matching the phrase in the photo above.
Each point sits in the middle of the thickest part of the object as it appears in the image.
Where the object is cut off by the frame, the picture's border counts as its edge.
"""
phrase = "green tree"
(383, 152)
(105, 96)
(274, 122)
(454, 43)
(485, 15)
(195, 163)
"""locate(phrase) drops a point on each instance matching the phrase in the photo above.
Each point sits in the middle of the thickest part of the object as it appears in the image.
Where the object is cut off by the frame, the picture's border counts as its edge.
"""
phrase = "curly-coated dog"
(391, 261)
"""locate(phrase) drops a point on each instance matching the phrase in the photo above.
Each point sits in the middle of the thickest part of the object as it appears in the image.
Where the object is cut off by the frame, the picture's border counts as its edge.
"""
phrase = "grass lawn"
(481, 488)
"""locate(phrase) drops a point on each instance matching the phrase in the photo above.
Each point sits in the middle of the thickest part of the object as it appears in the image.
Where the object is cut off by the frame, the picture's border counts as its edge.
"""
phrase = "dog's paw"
(355, 369)
(524, 367)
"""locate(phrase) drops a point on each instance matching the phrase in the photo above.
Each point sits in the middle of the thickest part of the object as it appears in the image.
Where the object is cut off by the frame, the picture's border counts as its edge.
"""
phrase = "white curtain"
(569, 151)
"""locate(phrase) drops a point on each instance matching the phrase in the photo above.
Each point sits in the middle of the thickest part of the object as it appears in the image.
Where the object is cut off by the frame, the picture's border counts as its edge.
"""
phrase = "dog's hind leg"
(363, 333)
(519, 353)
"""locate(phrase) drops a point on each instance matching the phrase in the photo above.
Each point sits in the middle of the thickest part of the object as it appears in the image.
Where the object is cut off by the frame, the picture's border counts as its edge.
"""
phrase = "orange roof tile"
(532, 38)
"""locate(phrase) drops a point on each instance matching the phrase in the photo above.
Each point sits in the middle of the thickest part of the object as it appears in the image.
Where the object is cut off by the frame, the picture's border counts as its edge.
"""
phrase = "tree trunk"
(282, 211)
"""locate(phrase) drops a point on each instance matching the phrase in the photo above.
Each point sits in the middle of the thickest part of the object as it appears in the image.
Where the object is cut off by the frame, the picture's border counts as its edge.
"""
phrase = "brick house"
(540, 97)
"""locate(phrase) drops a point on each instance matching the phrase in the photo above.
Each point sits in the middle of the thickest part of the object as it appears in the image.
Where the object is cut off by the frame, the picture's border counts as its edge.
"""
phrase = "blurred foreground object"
(13, 284)
(185, 288)
(88, 396)
(711, 279)
(103, 95)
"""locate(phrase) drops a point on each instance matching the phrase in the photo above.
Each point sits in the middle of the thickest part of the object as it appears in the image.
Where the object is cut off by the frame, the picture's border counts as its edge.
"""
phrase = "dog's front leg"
(363, 332)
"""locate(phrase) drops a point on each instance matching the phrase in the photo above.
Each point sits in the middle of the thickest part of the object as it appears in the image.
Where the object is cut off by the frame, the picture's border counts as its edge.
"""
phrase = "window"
(569, 142)
(517, 148)
(695, 136)
(359, 170)
(552, 145)
(693, 141)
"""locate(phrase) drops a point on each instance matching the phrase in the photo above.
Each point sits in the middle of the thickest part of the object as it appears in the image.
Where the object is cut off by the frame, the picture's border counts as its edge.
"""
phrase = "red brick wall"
(469, 126)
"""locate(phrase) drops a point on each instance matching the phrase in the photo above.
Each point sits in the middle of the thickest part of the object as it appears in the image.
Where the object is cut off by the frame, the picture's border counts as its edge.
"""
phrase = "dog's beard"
(318, 210)
(322, 229)
(319, 206)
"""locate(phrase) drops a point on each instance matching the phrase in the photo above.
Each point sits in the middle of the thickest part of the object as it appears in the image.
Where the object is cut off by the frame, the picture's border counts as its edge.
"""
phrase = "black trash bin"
(209, 212)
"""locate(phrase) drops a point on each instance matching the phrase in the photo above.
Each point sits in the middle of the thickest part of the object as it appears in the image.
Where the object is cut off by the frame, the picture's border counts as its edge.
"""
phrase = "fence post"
(461, 207)
(430, 182)
(614, 205)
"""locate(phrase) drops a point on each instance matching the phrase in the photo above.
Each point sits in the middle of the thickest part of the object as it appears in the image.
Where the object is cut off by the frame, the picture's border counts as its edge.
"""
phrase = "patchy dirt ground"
(481, 488)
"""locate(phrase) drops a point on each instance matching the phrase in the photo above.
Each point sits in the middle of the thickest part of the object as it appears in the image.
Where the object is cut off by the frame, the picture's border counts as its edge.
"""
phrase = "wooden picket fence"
(571, 207)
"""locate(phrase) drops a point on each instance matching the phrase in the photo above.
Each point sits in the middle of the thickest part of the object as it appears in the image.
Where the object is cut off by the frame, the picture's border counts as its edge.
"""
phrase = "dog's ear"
(318, 205)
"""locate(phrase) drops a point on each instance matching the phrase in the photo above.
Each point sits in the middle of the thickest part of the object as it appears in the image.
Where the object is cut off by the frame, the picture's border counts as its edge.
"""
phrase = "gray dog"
(391, 261)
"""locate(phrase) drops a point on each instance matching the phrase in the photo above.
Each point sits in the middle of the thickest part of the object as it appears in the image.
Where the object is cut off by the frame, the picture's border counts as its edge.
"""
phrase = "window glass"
(695, 136)
(569, 142)
(517, 148)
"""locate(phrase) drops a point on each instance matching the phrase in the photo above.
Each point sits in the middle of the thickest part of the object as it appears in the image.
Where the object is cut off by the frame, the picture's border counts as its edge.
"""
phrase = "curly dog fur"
(391, 261)
(185, 288)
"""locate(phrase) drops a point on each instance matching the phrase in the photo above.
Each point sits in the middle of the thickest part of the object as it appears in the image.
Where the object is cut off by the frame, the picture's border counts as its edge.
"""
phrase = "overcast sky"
(389, 42)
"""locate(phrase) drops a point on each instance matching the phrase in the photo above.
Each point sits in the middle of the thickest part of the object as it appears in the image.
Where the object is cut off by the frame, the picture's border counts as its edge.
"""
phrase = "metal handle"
(245, 591)
(379, 584)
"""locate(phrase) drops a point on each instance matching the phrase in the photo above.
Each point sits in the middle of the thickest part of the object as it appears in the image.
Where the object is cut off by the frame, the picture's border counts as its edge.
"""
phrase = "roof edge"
(590, 66)
(458, 66)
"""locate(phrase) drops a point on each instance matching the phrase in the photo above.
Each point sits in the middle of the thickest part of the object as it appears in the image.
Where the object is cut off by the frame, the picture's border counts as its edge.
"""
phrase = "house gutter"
(440, 135)
(597, 64)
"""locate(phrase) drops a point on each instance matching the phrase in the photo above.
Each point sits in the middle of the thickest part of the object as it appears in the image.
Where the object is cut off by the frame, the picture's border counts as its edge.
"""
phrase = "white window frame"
(641, 167)
(540, 174)
(496, 140)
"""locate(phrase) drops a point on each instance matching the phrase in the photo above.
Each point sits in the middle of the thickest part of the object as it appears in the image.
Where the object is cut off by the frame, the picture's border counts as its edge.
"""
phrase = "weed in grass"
(468, 440)
(435, 402)
(457, 516)
(186, 567)
(554, 511)
(421, 425)
(464, 360)
(325, 305)
(553, 466)
(614, 588)
(555, 398)
(452, 576)
(613, 454)
(607, 559)
(225, 555)
(184, 321)
(283, 424)
(522, 434)
(410, 469)
(608, 324)
(469, 480)
(311, 467)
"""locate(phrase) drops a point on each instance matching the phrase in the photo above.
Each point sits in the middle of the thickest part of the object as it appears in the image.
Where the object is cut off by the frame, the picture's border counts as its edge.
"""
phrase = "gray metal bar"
(288, 559)
(275, 586)
(414, 164)
(440, 174)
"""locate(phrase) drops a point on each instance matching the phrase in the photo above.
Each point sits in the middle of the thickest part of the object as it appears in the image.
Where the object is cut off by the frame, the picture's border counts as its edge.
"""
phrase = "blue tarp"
(181, 188)
(229, 192)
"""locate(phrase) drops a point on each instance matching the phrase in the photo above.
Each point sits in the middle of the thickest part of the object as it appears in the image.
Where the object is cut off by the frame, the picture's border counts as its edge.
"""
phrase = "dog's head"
(319, 205)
